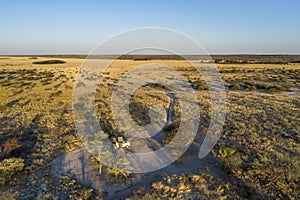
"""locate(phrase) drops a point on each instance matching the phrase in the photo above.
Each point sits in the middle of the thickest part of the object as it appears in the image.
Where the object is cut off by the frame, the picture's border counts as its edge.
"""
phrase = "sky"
(221, 27)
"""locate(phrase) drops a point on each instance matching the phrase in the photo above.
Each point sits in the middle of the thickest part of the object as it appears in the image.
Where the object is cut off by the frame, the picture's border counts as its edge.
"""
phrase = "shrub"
(122, 164)
(7, 196)
(49, 62)
(86, 193)
(3, 108)
(235, 86)
(250, 88)
(170, 131)
(275, 89)
(80, 84)
(117, 173)
(226, 151)
(11, 145)
(1, 152)
(47, 196)
(10, 167)
(56, 94)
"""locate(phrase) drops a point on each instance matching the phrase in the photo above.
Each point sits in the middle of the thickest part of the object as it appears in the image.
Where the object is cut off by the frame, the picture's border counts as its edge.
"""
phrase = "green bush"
(121, 169)
(226, 151)
(117, 173)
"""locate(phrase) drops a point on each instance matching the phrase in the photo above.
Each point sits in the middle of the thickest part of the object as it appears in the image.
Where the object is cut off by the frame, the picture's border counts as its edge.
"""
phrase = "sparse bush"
(279, 174)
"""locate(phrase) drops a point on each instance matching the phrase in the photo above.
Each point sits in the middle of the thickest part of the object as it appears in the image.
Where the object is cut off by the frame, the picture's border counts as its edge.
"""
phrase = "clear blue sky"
(221, 26)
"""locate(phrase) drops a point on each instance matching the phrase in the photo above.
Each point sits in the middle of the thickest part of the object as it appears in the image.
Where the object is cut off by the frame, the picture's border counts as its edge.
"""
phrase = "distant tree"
(47, 62)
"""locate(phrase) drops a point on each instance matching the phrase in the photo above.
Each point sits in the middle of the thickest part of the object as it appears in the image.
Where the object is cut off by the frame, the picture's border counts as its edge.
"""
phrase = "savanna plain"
(257, 156)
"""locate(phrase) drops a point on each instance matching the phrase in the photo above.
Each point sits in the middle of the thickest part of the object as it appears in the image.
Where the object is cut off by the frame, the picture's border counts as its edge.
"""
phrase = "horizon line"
(214, 54)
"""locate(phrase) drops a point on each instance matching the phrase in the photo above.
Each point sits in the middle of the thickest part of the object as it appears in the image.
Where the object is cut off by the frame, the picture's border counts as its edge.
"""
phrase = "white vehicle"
(122, 142)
